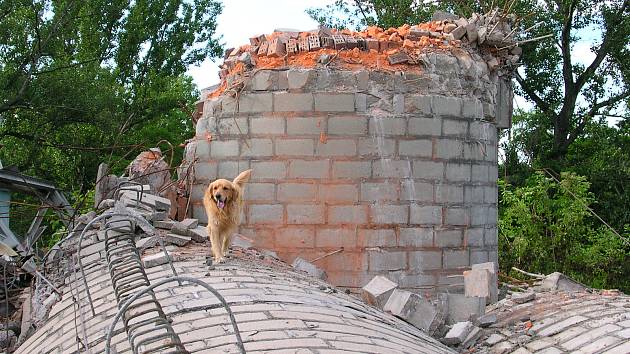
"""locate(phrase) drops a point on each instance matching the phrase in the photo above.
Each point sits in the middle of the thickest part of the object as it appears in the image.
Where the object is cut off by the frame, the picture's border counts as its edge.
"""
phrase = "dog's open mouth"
(220, 203)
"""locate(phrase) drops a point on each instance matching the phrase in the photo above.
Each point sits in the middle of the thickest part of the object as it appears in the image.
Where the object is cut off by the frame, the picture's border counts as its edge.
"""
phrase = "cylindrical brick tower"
(395, 164)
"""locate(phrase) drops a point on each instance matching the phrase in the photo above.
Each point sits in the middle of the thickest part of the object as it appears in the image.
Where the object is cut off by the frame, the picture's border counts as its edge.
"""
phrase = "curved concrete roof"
(276, 308)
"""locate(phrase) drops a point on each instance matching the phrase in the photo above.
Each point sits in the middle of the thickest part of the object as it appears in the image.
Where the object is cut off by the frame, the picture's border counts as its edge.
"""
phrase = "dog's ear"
(242, 178)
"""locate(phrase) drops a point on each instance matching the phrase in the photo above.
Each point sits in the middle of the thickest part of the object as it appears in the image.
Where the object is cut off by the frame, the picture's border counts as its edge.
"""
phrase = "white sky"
(242, 19)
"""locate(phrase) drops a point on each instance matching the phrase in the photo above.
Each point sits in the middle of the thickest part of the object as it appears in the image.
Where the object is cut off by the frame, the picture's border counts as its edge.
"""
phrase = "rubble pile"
(376, 47)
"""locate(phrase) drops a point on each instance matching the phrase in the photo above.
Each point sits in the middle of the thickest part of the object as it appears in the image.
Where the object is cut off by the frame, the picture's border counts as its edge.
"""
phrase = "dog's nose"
(218, 196)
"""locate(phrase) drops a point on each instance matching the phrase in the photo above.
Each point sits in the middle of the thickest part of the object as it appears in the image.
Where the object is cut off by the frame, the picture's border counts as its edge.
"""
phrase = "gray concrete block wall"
(405, 181)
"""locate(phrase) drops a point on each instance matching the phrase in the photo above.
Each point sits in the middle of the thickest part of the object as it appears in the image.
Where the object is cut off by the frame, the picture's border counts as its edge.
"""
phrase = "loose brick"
(224, 148)
(389, 214)
(428, 169)
(458, 333)
(376, 238)
(305, 214)
(425, 260)
(426, 215)
(268, 169)
(292, 102)
(347, 214)
(416, 237)
(257, 148)
(388, 168)
(295, 147)
(384, 260)
(309, 169)
(259, 191)
(387, 126)
(378, 291)
(458, 172)
(455, 127)
(416, 191)
(381, 147)
(255, 102)
(303, 265)
(351, 169)
(418, 147)
(448, 238)
(334, 102)
(378, 192)
(331, 193)
(305, 126)
(449, 149)
(265, 214)
(297, 192)
(350, 125)
(274, 125)
(425, 126)
(479, 282)
(337, 147)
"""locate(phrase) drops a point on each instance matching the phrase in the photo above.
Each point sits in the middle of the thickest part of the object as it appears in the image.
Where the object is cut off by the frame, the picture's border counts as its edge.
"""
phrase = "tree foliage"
(87, 81)
(544, 227)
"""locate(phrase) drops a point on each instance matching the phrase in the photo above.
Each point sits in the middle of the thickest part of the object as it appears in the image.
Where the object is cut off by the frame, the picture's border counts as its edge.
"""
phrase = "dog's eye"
(226, 188)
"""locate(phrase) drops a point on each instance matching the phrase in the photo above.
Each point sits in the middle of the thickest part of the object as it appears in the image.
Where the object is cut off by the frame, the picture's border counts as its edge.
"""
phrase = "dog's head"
(224, 192)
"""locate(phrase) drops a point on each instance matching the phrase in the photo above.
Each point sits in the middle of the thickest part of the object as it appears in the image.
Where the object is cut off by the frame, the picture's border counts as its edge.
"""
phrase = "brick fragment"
(378, 291)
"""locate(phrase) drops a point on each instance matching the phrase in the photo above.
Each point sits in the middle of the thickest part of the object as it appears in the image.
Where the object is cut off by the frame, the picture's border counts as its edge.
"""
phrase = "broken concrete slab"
(158, 203)
(178, 240)
(378, 291)
(269, 253)
(463, 308)
(155, 259)
(198, 234)
(458, 333)
(179, 228)
(164, 224)
(493, 288)
(147, 242)
(494, 339)
(190, 223)
(472, 337)
(413, 309)
(159, 216)
(521, 298)
(303, 265)
(559, 281)
(479, 282)
(486, 320)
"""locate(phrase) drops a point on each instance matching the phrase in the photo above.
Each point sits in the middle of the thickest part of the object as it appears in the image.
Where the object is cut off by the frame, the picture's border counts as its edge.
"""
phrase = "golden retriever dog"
(223, 201)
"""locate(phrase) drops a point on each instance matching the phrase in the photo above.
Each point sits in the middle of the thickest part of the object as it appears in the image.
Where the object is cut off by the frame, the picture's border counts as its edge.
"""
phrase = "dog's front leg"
(227, 241)
(215, 240)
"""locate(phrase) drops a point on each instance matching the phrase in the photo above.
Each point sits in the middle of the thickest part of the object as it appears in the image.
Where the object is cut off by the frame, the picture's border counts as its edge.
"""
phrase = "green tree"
(87, 81)
(544, 226)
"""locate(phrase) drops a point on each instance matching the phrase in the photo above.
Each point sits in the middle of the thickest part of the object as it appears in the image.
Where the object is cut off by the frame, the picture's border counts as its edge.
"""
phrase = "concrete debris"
(8, 339)
(153, 201)
(150, 168)
(159, 216)
(155, 260)
(378, 291)
(521, 298)
(486, 320)
(177, 240)
(472, 337)
(164, 224)
(147, 242)
(179, 228)
(494, 338)
(198, 234)
(190, 223)
(303, 265)
(270, 254)
(413, 309)
(559, 281)
(479, 282)
(493, 290)
(464, 308)
(458, 333)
